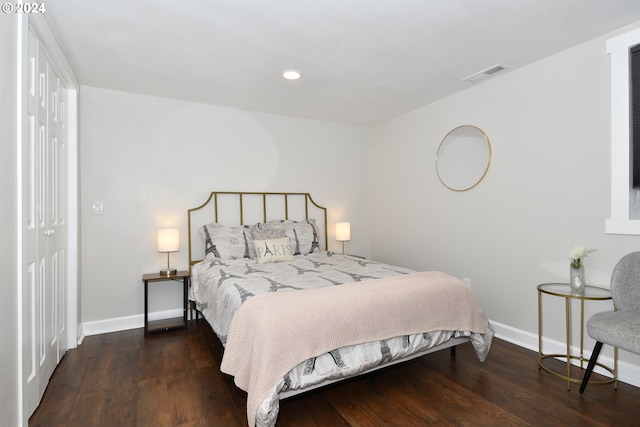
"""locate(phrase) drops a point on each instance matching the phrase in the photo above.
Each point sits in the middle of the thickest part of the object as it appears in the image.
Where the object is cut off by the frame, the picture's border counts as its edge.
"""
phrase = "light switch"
(98, 208)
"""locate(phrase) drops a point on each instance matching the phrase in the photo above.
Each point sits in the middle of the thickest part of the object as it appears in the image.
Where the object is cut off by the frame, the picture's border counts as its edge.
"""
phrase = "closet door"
(43, 226)
(55, 184)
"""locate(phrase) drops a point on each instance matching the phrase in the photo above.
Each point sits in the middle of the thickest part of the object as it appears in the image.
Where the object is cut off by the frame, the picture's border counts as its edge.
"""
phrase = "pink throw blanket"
(272, 333)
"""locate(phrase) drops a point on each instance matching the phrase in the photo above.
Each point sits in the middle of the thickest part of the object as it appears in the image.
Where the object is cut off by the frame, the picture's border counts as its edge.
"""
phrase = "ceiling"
(362, 61)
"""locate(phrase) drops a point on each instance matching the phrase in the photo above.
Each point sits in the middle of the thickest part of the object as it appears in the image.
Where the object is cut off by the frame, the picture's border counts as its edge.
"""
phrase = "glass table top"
(565, 290)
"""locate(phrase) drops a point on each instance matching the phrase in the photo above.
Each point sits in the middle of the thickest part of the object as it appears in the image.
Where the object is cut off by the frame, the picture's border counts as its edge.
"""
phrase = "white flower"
(578, 252)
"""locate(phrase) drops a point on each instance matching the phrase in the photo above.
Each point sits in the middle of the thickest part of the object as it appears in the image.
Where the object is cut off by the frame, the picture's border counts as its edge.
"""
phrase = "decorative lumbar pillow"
(273, 250)
(225, 242)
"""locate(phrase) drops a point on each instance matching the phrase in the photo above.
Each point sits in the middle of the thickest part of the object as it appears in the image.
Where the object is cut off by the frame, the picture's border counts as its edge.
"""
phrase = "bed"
(293, 316)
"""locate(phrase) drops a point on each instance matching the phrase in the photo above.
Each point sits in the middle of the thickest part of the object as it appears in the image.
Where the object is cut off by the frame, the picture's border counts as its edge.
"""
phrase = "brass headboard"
(239, 208)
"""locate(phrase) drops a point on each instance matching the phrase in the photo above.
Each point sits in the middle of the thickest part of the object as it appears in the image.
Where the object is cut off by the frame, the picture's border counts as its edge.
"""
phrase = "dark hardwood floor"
(172, 379)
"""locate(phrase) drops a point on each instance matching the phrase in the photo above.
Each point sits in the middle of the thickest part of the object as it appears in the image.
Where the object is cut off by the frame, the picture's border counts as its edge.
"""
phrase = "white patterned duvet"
(219, 287)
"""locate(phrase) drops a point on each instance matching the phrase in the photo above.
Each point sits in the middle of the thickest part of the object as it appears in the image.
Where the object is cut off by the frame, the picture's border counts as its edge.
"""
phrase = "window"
(625, 199)
(634, 59)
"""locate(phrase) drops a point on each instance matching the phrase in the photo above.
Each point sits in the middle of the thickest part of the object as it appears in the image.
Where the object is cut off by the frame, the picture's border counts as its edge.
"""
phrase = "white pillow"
(303, 235)
(267, 231)
(224, 242)
(273, 250)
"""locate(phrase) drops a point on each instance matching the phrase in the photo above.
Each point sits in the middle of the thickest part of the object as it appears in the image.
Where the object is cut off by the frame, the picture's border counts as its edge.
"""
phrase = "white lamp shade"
(168, 240)
(343, 231)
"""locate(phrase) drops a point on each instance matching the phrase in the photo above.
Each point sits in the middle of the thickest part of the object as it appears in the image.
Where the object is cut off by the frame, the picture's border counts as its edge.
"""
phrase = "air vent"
(485, 74)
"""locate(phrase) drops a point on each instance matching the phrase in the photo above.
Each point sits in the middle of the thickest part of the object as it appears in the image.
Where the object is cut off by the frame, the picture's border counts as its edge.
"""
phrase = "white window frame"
(618, 50)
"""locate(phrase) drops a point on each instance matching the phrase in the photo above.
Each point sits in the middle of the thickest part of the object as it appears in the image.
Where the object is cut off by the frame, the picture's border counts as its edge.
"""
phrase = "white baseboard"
(125, 323)
(627, 372)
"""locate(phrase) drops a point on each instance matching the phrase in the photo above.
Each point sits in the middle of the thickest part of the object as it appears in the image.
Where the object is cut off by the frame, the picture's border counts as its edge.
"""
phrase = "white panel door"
(32, 200)
(60, 227)
(43, 226)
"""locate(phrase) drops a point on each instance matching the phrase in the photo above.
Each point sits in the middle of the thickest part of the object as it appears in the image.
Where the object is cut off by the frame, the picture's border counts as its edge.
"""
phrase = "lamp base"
(168, 272)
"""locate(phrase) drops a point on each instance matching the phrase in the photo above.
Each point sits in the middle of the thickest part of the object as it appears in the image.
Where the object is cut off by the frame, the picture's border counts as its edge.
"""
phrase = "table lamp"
(343, 233)
(168, 241)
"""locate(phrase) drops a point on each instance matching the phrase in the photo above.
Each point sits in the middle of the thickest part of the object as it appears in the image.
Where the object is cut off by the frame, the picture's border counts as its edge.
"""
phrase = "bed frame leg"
(453, 352)
(192, 309)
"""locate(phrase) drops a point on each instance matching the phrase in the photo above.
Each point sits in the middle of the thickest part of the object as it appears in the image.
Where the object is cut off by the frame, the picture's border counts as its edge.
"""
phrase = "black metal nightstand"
(166, 324)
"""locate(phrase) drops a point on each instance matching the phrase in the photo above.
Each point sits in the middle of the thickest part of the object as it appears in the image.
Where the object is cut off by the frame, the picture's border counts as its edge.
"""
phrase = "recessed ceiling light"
(291, 74)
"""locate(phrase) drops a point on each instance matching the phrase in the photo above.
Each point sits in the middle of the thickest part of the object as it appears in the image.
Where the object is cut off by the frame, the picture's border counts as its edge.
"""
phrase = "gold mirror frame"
(460, 159)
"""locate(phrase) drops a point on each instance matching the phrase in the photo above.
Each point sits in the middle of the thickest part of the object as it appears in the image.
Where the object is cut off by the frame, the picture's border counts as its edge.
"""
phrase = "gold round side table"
(590, 293)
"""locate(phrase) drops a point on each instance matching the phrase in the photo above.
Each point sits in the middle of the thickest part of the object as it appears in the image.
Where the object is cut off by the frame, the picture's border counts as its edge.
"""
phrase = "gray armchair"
(619, 328)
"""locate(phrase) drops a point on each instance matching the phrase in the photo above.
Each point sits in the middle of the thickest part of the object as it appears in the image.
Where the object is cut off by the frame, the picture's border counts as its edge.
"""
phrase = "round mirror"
(463, 158)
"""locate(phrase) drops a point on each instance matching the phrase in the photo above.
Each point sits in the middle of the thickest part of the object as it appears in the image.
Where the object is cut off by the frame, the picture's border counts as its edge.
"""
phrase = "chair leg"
(591, 365)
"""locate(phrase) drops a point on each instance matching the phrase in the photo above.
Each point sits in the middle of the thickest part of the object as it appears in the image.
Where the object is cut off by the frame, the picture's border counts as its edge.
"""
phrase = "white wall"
(150, 159)
(548, 188)
(9, 316)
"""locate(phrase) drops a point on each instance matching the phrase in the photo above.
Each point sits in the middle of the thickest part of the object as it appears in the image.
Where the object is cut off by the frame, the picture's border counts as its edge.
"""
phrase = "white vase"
(576, 277)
